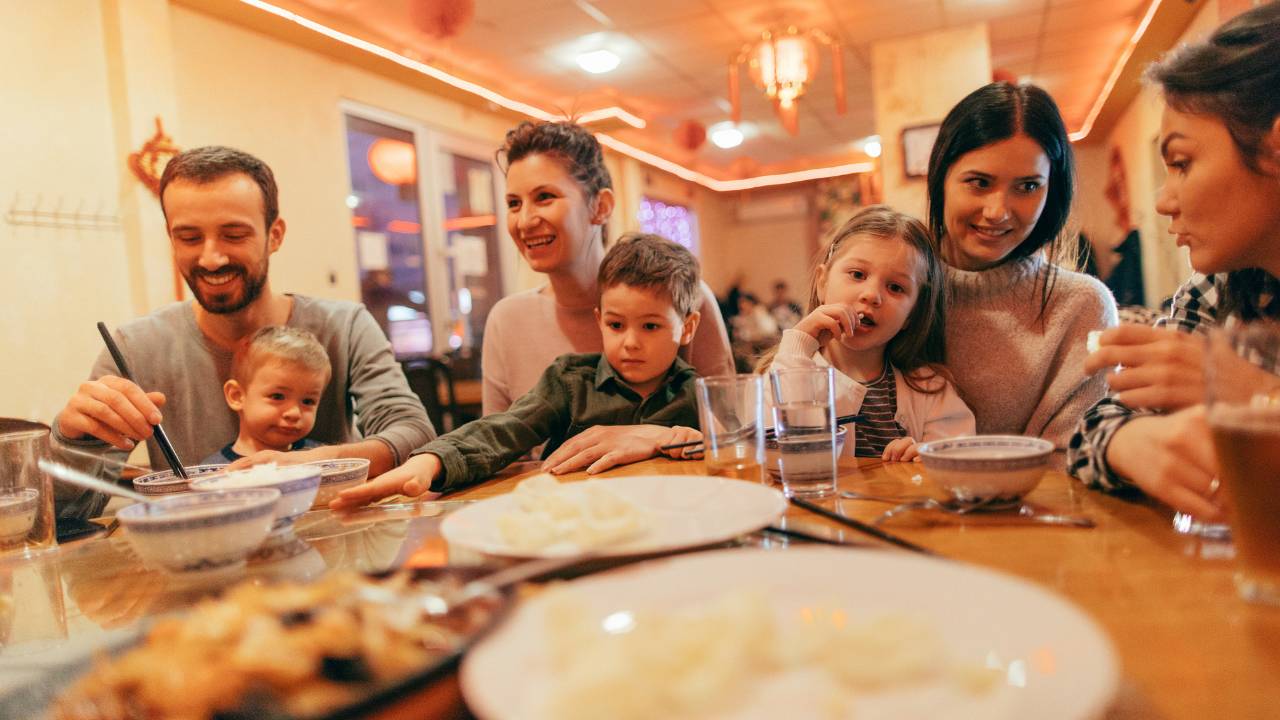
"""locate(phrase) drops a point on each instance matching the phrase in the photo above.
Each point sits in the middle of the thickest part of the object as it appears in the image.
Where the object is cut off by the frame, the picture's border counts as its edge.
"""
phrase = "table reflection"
(96, 593)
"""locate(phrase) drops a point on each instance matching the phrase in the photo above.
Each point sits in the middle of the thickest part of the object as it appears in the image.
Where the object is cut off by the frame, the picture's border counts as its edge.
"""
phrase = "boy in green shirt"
(648, 291)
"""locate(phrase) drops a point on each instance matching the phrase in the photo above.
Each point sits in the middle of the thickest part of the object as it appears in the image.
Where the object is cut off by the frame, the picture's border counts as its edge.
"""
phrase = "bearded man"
(221, 210)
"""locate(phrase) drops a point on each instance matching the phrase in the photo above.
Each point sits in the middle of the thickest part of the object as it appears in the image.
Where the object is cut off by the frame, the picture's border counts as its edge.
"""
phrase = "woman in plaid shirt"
(1220, 140)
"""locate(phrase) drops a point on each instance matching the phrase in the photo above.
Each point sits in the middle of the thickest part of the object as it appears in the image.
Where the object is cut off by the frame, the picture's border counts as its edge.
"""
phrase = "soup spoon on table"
(85, 480)
(957, 507)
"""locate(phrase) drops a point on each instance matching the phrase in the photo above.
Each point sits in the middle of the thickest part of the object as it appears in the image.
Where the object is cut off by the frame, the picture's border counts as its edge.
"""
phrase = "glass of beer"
(731, 412)
(1242, 370)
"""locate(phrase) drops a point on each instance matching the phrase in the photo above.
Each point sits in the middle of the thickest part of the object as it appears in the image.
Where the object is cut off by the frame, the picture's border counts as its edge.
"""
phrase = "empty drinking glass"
(731, 411)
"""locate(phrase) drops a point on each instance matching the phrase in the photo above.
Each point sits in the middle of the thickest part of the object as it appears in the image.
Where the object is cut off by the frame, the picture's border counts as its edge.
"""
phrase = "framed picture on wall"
(917, 143)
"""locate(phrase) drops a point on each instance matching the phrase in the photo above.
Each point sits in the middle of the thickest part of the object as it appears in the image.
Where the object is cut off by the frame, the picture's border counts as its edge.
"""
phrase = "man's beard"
(221, 304)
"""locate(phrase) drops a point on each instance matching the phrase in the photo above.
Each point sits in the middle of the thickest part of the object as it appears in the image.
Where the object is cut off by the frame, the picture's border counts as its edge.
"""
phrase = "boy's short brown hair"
(279, 342)
(653, 262)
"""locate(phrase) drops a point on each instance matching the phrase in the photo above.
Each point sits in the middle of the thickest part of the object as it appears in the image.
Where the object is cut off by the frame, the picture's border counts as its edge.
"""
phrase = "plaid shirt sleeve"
(1194, 310)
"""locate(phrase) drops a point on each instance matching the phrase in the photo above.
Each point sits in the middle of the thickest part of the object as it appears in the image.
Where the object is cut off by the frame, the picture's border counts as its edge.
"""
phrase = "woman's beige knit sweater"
(1022, 373)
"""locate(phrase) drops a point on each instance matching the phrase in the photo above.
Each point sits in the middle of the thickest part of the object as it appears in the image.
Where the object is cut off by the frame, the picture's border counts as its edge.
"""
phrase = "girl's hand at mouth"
(828, 322)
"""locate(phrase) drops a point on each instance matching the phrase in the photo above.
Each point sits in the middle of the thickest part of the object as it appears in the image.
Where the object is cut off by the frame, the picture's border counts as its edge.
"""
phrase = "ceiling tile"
(676, 54)
(1016, 27)
(628, 14)
(959, 12)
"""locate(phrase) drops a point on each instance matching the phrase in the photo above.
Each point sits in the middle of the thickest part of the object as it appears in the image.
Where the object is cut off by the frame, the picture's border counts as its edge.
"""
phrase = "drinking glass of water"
(731, 412)
(1242, 372)
(804, 418)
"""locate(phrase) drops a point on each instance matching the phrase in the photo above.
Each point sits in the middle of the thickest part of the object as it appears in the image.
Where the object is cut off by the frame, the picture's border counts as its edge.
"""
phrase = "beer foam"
(1261, 418)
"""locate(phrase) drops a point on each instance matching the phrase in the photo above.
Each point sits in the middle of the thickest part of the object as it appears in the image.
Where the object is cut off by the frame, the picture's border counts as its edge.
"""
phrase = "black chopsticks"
(768, 434)
(860, 526)
(166, 447)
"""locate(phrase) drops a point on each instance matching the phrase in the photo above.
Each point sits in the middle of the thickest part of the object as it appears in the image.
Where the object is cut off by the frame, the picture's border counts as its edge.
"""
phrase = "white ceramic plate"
(1053, 662)
(684, 511)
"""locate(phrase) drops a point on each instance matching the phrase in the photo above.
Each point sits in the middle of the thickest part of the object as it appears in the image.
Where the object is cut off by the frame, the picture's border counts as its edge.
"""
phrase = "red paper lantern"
(394, 162)
(441, 18)
(690, 135)
(1003, 75)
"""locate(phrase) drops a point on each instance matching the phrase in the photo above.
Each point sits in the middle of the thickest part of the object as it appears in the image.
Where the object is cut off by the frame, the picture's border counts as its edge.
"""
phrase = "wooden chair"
(430, 378)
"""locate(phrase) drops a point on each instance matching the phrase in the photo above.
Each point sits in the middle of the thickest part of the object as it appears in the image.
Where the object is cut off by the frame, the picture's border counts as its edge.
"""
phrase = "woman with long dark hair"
(1001, 181)
(1220, 140)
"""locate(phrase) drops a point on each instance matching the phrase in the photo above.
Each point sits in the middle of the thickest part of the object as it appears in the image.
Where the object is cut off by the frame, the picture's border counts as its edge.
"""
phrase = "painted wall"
(59, 153)
(112, 66)
(1136, 134)
(291, 118)
(757, 252)
(915, 81)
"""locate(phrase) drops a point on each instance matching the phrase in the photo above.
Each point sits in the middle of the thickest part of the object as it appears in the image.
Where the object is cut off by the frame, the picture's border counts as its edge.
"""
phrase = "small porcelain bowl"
(195, 532)
(338, 476)
(987, 468)
(773, 456)
(17, 514)
(165, 482)
(297, 484)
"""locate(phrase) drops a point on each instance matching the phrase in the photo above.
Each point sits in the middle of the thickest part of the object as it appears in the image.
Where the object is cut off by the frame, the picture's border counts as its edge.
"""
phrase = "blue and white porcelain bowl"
(17, 514)
(987, 468)
(195, 532)
(297, 484)
(165, 482)
(338, 475)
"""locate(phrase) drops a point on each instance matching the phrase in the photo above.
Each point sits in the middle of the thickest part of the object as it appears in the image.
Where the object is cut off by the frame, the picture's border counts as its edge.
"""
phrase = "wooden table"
(1188, 646)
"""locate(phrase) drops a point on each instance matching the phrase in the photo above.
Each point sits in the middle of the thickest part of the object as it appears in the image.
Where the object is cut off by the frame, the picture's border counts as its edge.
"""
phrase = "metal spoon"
(1030, 513)
(956, 507)
(75, 477)
(438, 603)
(854, 495)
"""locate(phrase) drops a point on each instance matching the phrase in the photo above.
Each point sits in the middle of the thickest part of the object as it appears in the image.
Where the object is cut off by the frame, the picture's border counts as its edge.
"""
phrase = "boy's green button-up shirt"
(576, 392)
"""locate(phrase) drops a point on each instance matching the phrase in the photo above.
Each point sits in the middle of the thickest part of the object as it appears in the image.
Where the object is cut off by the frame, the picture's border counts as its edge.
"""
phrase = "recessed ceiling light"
(726, 136)
(871, 146)
(598, 61)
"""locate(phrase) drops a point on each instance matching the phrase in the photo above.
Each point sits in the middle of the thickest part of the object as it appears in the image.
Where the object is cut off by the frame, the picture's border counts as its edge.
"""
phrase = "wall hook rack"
(37, 214)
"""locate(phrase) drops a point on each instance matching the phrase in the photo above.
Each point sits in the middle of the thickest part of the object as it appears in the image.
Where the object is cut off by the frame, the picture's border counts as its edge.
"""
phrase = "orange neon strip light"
(1118, 68)
(591, 116)
(437, 73)
(707, 181)
(473, 221)
(404, 227)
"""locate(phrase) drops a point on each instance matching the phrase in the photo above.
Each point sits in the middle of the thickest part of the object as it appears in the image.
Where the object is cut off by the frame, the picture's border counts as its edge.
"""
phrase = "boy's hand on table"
(604, 446)
(678, 436)
(412, 479)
